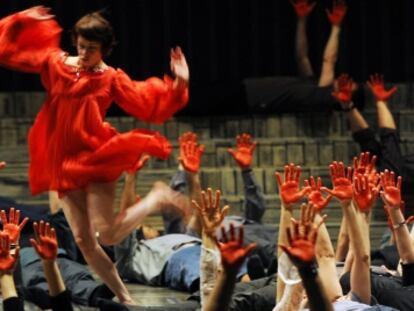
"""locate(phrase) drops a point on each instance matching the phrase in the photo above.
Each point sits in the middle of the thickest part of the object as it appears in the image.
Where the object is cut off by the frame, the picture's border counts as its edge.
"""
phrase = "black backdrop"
(228, 40)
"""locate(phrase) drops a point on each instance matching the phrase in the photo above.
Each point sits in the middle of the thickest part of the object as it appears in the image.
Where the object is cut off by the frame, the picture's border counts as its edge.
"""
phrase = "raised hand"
(45, 242)
(342, 183)
(12, 227)
(315, 196)
(243, 155)
(365, 194)
(289, 188)
(343, 92)
(2, 165)
(186, 137)
(210, 212)
(364, 164)
(376, 85)
(139, 164)
(232, 250)
(391, 190)
(179, 66)
(302, 7)
(190, 152)
(338, 12)
(302, 237)
(38, 12)
(7, 261)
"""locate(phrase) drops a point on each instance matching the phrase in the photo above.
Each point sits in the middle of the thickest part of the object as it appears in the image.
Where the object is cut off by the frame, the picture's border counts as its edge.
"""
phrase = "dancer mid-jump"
(72, 150)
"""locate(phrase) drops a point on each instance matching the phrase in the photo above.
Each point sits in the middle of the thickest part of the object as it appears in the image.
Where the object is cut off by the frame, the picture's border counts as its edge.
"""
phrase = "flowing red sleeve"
(153, 100)
(26, 43)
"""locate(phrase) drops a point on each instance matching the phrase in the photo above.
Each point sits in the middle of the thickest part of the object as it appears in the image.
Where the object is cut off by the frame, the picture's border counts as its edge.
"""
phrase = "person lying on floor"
(187, 177)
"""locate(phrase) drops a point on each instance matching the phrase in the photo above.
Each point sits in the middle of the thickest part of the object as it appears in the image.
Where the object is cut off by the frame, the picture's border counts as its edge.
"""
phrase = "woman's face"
(89, 52)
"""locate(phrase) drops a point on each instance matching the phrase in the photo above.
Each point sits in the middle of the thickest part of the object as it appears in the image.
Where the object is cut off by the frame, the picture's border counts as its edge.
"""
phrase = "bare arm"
(233, 253)
(330, 56)
(302, 9)
(376, 85)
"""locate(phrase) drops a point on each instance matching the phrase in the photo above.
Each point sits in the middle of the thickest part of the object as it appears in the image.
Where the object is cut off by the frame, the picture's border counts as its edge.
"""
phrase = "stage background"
(228, 40)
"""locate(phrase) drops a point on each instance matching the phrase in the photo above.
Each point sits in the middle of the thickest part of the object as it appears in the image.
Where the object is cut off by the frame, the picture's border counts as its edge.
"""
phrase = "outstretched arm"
(45, 244)
(357, 229)
(212, 216)
(376, 85)
(330, 54)
(301, 251)
(233, 254)
(391, 196)
(11, 301)
(290, 194)
(343, 94)
(190, 159)
(324, 250)
(302, 8)
(243, 155)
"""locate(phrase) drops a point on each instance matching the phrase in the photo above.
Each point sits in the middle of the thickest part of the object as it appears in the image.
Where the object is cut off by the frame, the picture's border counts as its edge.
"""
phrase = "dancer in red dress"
(72, 149)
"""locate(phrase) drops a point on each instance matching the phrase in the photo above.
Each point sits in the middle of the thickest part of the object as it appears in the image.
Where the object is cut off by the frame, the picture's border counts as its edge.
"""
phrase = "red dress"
(70, 144)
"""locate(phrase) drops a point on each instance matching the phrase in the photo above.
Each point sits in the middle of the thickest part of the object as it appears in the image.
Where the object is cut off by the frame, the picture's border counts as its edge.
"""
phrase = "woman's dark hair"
(94, 27)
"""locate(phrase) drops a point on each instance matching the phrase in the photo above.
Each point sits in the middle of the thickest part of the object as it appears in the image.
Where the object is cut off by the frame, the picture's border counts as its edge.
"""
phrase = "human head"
(94, 27)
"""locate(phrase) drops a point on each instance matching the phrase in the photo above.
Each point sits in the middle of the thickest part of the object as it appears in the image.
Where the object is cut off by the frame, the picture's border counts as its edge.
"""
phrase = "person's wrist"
(308, 270)
(348, 106)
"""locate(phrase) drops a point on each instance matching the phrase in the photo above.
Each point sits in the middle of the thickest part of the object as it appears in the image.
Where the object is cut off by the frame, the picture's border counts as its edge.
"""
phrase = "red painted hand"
(2, 165)
(343, 92)
(12, 226)
(232, 250)
(188, 136)
(45, 244)
(376, 84)
(302, 238)
(365, 164)
(243, 155)
(210, 212)
(190, 156)
(365, 194)
(315, 196)
(391, 191)
(7, 261)
(302, 7)
(338, 12)
(289, 189)
(342, 184)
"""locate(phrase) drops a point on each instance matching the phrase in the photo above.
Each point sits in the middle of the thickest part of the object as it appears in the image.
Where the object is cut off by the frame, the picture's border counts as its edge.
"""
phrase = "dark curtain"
(228, 40)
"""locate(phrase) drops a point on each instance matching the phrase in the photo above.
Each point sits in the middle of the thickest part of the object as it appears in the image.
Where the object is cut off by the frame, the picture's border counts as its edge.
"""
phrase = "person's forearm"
(53, 277)
(318, 299)
(330, 56)
(385, 118)
(342, 245)
(285, 216)
(301, 48)
(255, 202)
(219, 299)
(356, 121)
(402, 236)
(325, 256)
(194, 185)
(355, 224)
(8, 288)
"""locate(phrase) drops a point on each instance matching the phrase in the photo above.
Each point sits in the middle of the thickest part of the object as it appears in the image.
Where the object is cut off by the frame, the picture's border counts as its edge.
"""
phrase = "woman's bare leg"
(76, 212)
(112, 227)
